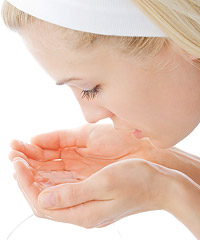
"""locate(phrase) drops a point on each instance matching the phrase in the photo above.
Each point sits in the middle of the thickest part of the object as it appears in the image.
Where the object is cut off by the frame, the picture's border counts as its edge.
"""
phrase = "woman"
(146, 78)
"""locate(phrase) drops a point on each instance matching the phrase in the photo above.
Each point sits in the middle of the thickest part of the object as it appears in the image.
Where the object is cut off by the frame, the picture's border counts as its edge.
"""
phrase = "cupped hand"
(75, 154)
(117, 190)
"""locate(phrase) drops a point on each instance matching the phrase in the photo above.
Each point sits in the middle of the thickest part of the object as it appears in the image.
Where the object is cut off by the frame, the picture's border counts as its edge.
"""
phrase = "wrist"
(183, 202)
(174, 158)
(164, 187)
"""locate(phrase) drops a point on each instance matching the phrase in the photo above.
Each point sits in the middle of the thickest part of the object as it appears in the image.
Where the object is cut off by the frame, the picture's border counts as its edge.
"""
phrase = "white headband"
(107, 17)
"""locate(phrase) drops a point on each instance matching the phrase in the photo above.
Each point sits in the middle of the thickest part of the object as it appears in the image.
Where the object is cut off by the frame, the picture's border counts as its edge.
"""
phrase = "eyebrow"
(66, 80)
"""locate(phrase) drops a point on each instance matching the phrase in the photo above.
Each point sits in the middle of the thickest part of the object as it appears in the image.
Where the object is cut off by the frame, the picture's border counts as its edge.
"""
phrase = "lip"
(137, 133)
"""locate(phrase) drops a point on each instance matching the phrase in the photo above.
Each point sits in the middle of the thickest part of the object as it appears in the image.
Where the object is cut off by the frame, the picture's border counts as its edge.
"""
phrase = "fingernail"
(16, 159)
(19, 159)
(48, 200)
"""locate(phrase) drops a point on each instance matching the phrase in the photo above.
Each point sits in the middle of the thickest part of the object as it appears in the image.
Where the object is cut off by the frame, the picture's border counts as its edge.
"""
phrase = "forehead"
(43, 36)
(50, 40)
(51, 48)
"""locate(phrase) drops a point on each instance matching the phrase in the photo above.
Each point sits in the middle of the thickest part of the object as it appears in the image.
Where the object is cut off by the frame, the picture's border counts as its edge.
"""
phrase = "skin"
(101, 199)
(101, 168)
(164, 105)
(97, 173)
(105, 180)
(85, 150)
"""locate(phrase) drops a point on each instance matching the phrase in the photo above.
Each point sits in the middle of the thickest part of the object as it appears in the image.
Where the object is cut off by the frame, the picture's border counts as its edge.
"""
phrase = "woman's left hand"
(116, 191)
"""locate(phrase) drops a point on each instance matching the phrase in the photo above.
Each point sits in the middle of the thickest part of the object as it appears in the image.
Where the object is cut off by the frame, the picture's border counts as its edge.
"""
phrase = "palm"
(71, 166)
(75, 155)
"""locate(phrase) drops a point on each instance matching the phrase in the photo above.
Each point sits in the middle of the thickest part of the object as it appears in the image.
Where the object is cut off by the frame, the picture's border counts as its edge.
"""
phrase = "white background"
(31, 103)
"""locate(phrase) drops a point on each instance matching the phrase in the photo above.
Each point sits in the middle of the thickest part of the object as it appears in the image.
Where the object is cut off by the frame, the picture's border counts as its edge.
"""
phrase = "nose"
(93, 114)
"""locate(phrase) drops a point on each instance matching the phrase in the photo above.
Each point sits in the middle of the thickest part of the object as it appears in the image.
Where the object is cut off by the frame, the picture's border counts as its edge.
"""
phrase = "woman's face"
(164, 105)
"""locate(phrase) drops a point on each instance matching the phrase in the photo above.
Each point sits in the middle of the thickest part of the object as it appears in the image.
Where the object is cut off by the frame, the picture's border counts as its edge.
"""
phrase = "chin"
(161, 144)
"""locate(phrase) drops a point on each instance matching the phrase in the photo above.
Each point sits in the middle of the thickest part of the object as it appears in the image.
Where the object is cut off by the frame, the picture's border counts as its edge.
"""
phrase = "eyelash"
(90, 94)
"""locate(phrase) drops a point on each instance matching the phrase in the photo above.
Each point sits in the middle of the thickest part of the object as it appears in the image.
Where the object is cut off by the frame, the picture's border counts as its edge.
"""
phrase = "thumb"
(71, 194)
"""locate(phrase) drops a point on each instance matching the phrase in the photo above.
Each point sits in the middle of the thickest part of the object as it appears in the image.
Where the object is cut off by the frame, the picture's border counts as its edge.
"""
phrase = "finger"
(55, 165)
(93, 213)
(56, 177)
(89, 214)
(14, 154)
(75, 137)
(25, 179)
(67, 195)
(35, 152)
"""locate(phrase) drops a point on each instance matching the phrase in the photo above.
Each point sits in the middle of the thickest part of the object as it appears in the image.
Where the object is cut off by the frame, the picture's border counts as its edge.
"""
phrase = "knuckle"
(72, 196)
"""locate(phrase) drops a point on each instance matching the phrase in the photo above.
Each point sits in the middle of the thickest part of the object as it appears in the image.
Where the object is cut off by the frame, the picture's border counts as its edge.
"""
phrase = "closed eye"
(90, 94)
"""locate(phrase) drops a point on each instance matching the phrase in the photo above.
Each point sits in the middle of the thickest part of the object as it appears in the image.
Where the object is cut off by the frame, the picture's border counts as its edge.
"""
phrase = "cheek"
(170, 124)
(160, 118)
(132, 109)
(150, 112)
(130, 105)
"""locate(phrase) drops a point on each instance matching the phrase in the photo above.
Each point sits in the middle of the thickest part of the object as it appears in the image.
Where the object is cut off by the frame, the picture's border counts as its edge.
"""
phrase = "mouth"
(137, 133)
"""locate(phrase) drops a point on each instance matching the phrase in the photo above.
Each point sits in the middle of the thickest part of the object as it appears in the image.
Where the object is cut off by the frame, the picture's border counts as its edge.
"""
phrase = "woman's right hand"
(116, 191)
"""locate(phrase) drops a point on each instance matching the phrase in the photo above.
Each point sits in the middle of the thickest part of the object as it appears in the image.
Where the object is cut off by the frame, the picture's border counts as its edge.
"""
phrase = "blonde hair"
(179, 19)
